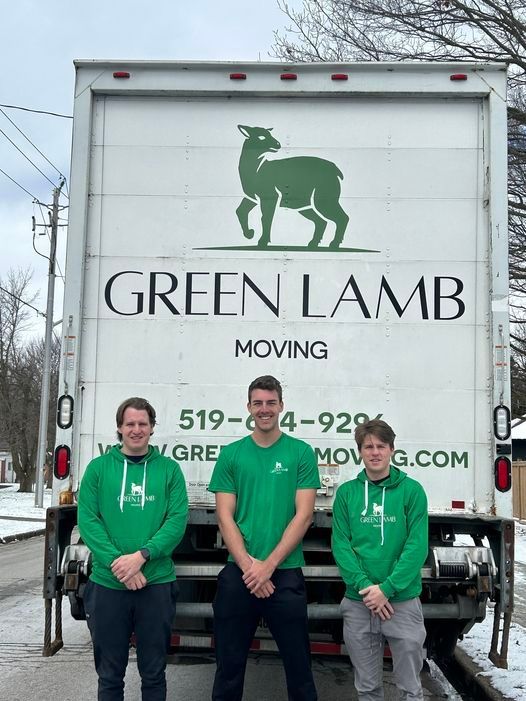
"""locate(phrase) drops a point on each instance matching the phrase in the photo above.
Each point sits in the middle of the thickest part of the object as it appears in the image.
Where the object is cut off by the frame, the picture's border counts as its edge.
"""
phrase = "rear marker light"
(458, 504)
(288, 76)
(238, 76)
(339, 76)
(61, 462)
(121, 74)
(458, 76)
(503, 474)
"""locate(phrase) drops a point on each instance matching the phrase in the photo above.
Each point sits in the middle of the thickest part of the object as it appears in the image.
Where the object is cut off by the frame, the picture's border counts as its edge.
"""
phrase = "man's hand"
(138, 581)
(127, 566)
(385, 612)
(376, 601)
(257, 578)
(265, 590)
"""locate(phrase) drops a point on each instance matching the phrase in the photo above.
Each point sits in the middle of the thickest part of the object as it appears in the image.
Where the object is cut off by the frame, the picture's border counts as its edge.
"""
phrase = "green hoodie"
(124, 506)
(379, 535)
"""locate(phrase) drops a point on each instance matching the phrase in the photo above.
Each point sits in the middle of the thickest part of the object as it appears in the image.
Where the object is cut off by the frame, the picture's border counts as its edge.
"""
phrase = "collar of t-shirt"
(379, 481)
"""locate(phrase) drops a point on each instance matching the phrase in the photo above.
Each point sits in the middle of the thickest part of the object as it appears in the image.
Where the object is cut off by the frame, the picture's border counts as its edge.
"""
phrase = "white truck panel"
(412, 123)
(427, 230)
(397, 322)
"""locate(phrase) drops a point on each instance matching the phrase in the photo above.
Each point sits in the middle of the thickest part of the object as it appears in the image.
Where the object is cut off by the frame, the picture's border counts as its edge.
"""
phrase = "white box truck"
(340, 226)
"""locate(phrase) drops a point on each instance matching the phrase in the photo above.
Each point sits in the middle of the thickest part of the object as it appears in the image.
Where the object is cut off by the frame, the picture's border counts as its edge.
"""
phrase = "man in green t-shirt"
(265, 486)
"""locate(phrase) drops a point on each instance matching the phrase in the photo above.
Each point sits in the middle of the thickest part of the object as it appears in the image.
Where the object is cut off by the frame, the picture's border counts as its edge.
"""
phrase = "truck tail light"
(65, 411)
(503, 474)
(501, 422)
(61, 462)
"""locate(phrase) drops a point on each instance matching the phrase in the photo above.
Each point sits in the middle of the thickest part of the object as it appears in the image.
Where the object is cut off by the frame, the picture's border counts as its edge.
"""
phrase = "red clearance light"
(288, 76)
(503, 474)
(238, 76)
(339, 76)
(62, 461)
(121, 74)
(458, 504)
(458, 76)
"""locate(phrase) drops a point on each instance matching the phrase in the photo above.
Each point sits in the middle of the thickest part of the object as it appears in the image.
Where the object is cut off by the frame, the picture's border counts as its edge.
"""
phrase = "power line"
(32, 144)
(20, 186)
(28, 109)
(35, 201)
(23, 301)
(27, 157)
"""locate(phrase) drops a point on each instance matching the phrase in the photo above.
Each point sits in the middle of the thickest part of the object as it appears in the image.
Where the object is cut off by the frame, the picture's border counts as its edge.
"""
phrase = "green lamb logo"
(307, 184)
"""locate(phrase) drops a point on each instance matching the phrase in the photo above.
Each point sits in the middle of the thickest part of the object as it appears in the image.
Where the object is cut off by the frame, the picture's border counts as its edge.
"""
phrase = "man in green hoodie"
(380, 543)
(132, 511)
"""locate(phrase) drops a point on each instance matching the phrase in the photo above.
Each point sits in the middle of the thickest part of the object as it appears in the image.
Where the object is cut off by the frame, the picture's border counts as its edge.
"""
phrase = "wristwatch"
(145, 553)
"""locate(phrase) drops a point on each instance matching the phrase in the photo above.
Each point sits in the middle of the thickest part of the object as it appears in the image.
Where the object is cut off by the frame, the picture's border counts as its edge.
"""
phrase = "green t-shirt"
(265, 481)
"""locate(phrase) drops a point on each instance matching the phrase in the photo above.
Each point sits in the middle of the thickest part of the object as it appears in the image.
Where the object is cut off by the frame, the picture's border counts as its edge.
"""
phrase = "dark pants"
(236, 616)
(112, 616)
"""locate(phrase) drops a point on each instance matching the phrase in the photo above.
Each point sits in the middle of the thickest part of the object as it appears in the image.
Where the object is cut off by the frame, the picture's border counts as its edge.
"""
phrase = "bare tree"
(518, 371)
(21, 364)
(434, 30)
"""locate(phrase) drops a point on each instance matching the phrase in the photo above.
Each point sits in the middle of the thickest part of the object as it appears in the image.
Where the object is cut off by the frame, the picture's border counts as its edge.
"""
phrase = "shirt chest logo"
(279, 469)
(134, 495)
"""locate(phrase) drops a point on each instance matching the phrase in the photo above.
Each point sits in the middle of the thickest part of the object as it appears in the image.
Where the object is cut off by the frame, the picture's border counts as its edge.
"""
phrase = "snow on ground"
(476, 643)
(520, 543)
(18, 505)
(510, 682)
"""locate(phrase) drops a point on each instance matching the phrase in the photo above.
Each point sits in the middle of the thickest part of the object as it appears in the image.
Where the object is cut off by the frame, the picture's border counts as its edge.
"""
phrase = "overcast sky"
(38, 42)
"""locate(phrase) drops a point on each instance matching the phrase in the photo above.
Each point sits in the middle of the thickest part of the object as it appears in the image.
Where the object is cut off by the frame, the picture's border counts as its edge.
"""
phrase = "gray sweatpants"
(364, 635)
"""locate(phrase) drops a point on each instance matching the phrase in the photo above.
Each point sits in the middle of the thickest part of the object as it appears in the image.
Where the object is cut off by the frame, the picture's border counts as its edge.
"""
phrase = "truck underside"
(468, 565)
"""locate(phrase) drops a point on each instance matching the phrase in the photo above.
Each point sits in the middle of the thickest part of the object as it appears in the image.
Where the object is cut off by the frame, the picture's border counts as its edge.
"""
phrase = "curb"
(22, 536)
(477, 681)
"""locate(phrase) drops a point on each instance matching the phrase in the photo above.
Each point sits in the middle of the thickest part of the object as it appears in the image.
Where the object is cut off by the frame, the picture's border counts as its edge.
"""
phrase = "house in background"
(7, 474)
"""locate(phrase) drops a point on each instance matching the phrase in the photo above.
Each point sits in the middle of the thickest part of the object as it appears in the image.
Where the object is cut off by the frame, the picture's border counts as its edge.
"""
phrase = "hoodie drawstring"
(123, 485)
(143, 497)
(366, 494)
(366, 504)
(382, 522)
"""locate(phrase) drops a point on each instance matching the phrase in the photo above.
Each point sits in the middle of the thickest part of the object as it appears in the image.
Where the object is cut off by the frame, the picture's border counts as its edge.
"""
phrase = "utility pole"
(46, 371)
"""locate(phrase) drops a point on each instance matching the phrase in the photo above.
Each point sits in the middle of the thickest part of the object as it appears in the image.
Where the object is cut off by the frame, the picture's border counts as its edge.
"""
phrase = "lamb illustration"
(136, 489)
(307, 184)
(377, 509)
